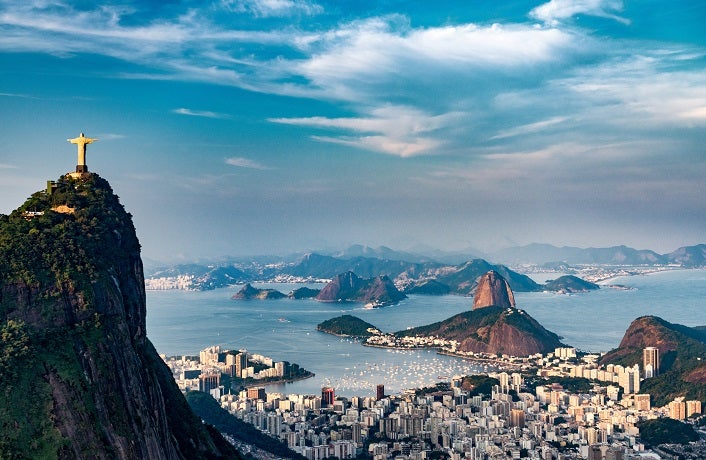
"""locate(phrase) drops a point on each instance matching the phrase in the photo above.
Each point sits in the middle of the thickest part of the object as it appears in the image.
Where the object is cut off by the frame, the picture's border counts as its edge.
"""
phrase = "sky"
(242, 127)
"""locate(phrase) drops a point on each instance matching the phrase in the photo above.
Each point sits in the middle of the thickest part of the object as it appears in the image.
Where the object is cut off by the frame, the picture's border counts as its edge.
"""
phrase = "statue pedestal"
(78, 175)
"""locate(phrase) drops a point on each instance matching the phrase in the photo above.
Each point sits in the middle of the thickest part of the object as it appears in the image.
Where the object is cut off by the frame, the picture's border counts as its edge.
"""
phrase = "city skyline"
(243, 127)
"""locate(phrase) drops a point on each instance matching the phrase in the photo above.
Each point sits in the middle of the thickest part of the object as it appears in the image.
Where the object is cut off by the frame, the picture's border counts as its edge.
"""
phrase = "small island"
(248, 292)
(375, 292)
(348, 326)
(304, 293)
(570, 284)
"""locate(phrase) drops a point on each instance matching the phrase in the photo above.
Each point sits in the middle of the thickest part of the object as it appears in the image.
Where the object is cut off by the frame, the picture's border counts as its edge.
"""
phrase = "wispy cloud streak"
(240, 162)
(200, 113)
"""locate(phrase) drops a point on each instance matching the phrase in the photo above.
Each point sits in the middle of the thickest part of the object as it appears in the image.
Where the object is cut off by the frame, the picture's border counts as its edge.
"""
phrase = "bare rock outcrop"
(348, 287)
(493, 290)
(492, 329)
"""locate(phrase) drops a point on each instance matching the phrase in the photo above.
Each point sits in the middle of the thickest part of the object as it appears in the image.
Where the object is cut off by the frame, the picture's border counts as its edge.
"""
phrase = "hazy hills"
(538, 254)
(411, 271)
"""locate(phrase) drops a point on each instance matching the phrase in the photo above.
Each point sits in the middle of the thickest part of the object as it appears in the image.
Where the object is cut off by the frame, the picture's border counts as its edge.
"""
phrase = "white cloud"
(200, 113)
(529, 128)
(269, 8)
(557, 10)
(410, 90)
(22, 96)
(697, 113)
(364, 53)
(644, 90)
(396, 130)
(241, 162)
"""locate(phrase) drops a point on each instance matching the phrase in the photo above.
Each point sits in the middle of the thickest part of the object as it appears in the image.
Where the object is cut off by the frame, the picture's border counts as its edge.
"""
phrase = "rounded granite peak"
(493, 289)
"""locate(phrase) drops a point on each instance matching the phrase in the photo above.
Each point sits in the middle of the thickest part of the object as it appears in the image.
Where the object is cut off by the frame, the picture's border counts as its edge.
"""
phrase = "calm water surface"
(182, 322)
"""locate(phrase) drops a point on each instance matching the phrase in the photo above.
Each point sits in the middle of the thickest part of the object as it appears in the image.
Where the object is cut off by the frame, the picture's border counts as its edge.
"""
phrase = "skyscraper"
(380, 392)
(650, 361)
(327, 396)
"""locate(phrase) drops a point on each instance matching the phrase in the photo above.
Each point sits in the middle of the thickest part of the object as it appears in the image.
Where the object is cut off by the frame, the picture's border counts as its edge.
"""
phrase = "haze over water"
(183, 322)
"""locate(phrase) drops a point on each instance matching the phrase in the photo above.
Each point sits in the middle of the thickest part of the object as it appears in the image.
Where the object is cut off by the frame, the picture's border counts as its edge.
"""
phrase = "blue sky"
(272, 126)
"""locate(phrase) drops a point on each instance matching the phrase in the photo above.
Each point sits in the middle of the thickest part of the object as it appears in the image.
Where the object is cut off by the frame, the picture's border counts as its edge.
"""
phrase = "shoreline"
(280, 382)
(440, 351)
(648, 270)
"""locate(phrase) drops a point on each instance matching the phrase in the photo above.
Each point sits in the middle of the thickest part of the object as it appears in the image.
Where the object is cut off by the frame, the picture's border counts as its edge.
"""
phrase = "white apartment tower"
(650, 361)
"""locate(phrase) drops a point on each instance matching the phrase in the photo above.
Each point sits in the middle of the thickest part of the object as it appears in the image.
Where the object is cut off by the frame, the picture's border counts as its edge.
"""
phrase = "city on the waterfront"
(408, 400)
(568, 406)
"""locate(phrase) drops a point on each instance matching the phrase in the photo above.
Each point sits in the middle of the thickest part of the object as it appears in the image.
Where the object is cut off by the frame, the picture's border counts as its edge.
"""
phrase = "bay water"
(185, 322)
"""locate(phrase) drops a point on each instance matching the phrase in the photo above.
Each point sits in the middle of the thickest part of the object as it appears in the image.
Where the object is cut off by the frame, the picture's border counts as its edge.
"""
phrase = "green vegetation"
(570, 384)
(25, 425)
(439, 387)
(666, 430)
(74, 247)
(291, 372)
(304, 293)
(479, 384)
(71, 316)
(346, 325)
(248, 292)
(570, 283)
(666, 387)
(52, 248)
(212, 413)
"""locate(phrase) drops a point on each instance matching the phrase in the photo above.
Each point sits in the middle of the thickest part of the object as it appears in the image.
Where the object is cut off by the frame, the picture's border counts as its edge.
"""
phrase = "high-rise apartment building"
(241, 363)
(642, 402)
(380, 392)
(517, 418)
(327, 396)
(257, 393)
(209, 381)
(677, 409)
(650, 361)
(629, 379)
(693, 407)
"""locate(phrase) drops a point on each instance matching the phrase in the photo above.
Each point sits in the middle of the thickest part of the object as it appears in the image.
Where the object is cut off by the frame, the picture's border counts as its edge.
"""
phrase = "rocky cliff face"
(347, 287)
(493, 290)
(493, 330)
(84, 381)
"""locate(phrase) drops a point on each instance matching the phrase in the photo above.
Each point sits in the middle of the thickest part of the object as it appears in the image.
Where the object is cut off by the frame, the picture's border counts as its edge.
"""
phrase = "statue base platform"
(79, 175)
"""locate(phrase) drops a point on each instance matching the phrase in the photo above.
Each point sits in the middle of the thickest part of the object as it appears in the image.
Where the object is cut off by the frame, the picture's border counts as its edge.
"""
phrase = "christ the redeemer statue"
(81, 141)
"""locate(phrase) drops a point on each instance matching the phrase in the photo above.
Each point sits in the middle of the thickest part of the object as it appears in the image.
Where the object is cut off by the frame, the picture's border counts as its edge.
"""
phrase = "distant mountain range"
(411, 272)
(538, 254)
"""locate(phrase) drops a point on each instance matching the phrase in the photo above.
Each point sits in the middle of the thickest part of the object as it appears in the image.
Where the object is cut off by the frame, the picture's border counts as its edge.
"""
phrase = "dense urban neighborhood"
(562, 405)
